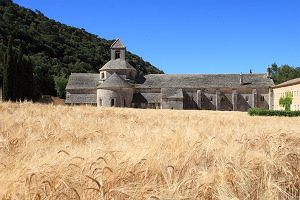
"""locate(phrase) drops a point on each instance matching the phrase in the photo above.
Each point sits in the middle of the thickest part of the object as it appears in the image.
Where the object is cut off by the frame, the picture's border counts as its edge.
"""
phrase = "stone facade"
(118, 85)
(292, 86)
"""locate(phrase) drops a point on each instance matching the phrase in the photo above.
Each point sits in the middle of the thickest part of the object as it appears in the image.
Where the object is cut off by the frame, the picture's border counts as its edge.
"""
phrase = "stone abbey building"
(118, 85)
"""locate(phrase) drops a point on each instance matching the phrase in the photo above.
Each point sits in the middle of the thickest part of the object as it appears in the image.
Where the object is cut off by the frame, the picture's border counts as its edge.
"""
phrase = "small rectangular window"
(118, 55)
(100, 102)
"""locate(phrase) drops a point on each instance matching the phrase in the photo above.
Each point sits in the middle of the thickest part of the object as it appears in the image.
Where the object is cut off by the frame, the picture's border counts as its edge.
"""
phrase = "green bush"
(286, 101)
(253, 111)
(259, 112)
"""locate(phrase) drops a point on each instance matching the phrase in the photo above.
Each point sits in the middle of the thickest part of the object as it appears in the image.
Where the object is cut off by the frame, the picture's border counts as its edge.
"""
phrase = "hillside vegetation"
(55, 48)
(83, 152)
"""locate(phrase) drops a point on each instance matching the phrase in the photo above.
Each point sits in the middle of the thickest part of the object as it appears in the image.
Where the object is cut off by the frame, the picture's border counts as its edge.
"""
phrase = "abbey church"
(118, 85)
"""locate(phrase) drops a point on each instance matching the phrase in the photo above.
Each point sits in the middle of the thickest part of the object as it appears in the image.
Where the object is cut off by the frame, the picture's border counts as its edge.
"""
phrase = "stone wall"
(227, 99)
(116, 97)
(125, 74)
(194, 99)
(172, 103)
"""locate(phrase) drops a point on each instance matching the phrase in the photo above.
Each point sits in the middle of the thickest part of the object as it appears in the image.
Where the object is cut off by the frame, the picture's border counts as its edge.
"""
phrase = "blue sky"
(190, 36)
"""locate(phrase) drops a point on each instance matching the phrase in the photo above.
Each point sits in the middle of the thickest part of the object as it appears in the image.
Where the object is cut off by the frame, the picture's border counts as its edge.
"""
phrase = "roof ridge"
(212, 74)
(289, 82)
(114, 81)
(118, 40)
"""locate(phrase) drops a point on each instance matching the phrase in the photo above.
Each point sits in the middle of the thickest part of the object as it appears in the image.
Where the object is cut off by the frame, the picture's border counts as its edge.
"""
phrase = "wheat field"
(83, 152)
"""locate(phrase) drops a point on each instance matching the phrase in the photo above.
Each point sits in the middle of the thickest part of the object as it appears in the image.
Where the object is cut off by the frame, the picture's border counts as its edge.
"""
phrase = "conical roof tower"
(117, 63)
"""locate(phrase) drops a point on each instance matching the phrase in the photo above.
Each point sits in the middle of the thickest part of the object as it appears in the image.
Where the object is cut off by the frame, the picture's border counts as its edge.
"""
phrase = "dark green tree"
(284, 73)
(1, 64)
(29, 86)
(18, 79)
(7, 90)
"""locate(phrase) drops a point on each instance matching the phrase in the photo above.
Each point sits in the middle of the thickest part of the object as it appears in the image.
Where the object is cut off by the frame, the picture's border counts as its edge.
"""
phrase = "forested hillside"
(56, 49)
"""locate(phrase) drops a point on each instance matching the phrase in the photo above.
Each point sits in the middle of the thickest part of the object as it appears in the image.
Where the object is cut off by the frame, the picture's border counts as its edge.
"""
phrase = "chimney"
(241, 79)
(268, 72)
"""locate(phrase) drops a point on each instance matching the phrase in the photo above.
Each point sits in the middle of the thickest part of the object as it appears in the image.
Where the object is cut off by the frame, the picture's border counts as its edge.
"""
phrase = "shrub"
(259, 112)
(253, 111)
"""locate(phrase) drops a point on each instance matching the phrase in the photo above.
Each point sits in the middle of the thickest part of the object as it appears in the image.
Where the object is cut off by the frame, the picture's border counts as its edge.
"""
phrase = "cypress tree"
(14, 76)
(1, 65)
(28, 79)
(18, 79)
(19, 82)
(7, 89)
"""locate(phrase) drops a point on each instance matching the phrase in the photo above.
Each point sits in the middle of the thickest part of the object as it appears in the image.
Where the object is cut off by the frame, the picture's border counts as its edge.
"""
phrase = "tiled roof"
(81, 99)
(114, 81)
(287, 83)
(146, 98)
(117, 44)
(83, 81)
(205, 81)
(117, 64)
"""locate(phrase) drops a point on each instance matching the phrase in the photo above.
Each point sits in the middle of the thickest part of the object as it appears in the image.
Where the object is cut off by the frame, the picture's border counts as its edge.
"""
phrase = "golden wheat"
(83, 152)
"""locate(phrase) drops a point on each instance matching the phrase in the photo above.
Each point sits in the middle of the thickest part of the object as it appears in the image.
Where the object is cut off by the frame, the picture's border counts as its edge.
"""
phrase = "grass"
(83, 152)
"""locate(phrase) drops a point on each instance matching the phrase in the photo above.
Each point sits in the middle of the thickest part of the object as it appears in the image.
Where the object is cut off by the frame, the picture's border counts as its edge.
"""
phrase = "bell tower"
(117, 50)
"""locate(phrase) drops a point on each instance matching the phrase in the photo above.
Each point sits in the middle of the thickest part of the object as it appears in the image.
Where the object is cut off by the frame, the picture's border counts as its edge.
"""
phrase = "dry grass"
(60, 152)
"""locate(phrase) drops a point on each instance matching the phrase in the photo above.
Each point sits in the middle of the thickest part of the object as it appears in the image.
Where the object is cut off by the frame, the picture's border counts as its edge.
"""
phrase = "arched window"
(124, 102)
(118, 54)
(211, 98)
(112, 102)
(222, 98)
(100, 102)
(102, 75)
(247, 98)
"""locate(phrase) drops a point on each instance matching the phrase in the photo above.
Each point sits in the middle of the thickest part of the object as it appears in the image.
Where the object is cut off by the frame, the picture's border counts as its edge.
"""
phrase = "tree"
(286, 101)
(284, 73)
(1, 64)
(29, 86)
(7, 90)
(18, 79)
(60, 85)
(5, 2)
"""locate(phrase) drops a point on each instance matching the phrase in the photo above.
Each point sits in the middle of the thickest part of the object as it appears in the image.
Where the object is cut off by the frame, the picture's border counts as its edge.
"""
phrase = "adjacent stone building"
(118, 85)
(280, 90)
